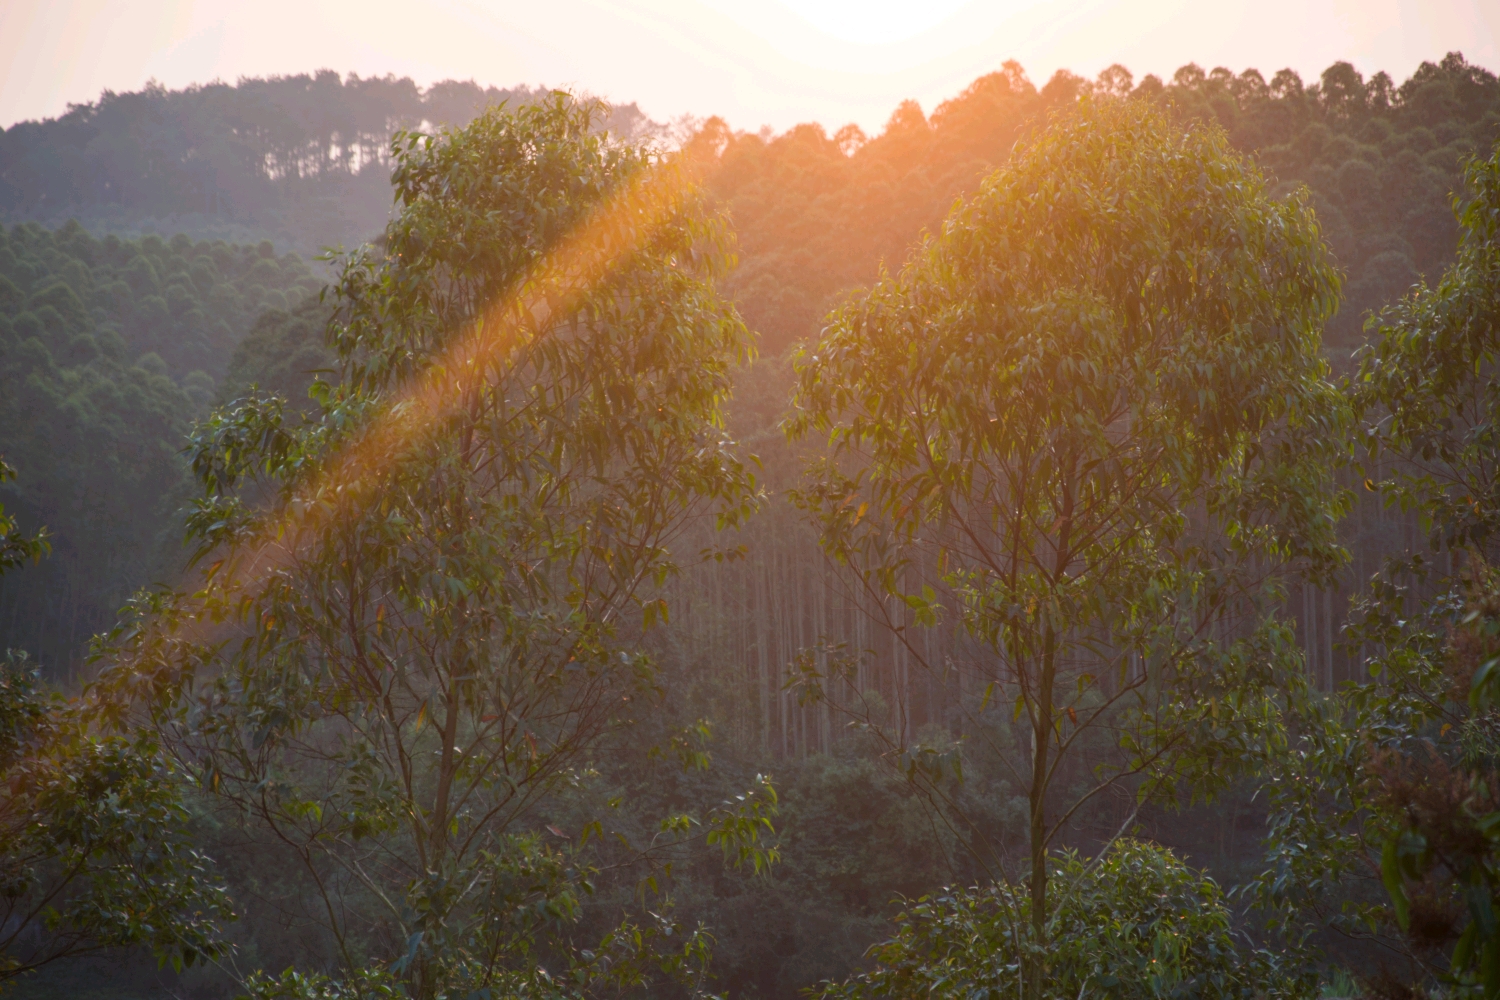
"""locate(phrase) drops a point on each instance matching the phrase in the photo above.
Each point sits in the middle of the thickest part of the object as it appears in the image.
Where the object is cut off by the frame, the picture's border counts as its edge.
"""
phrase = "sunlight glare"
(875, 22)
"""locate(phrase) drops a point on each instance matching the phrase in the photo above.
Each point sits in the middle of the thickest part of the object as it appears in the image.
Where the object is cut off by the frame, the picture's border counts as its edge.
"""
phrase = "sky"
(753, 62)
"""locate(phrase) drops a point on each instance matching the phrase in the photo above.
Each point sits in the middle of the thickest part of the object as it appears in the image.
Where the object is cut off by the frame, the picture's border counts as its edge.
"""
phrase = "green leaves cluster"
(1432, 799)
(17, 548)
(1429, 385)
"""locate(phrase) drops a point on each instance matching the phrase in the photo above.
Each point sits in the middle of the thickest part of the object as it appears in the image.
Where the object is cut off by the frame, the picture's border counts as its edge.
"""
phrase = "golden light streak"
(580, 261)
(606, 239)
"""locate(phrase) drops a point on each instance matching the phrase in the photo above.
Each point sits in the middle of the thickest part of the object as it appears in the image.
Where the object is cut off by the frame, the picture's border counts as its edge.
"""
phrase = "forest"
(500, 545)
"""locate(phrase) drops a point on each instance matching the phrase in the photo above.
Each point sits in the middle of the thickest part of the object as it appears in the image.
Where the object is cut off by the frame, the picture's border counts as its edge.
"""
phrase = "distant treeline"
(283, 155)
(303, 159)
(817, 213)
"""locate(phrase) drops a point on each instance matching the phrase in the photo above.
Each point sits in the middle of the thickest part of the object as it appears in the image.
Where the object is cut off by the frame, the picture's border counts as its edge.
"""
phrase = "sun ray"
(605, 240)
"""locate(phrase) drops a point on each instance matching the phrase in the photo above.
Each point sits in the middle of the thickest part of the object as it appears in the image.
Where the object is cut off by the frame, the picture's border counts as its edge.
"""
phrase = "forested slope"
(303, 159)
(109, 350)
(817, 215)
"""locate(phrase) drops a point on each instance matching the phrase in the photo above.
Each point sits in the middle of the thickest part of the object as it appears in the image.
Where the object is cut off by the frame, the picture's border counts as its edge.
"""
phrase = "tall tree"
(440, 618)
(1427, 385)
(1094, 413)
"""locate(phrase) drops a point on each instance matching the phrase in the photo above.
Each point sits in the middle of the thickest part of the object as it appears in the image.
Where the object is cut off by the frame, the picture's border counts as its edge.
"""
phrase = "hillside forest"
(473, 543)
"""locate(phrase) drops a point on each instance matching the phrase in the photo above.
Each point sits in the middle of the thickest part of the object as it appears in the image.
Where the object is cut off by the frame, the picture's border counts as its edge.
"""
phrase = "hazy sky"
(756, 62)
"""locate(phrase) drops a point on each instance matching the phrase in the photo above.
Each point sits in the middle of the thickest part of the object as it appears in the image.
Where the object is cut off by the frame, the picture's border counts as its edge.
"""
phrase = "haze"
(754, 63)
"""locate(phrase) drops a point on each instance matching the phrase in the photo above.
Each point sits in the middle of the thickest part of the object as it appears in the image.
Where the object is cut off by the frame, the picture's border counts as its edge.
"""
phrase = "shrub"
(1136, 923)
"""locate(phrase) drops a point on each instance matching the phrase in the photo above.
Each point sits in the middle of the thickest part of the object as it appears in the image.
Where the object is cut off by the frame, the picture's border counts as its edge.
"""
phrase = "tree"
(440, 617)
(1093, 411)
(96, 848)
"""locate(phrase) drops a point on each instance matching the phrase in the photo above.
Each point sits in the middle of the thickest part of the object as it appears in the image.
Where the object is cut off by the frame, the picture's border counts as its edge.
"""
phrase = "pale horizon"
(754, 64)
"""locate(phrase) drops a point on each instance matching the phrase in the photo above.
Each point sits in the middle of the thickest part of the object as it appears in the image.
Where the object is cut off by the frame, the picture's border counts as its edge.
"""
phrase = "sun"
(875, 22)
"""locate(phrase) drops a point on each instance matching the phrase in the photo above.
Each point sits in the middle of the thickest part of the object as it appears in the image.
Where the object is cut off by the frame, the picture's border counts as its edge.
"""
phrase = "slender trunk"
(1041, 734)
(765, 629)
(820, 634)
(1328, 634)
(783, 635)
(438, 826)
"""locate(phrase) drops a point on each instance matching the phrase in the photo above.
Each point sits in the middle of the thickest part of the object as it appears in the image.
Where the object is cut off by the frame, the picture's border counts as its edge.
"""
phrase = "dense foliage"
(1427, 382)
(109, 350)
(95, 853)
(1395, 774)
(96, 850)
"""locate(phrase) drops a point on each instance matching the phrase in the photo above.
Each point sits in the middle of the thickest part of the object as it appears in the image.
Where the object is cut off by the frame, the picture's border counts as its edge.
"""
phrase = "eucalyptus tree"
(1137, 924)
(438, 614)
(1089, 423)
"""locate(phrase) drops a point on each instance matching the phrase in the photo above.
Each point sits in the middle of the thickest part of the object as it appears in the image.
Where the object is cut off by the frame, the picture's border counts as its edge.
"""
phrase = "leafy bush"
(1136, 923)
(95, 851)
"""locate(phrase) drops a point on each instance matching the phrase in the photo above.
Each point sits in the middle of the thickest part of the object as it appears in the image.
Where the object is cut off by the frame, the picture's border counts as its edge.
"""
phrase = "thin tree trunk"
(1041, 735)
